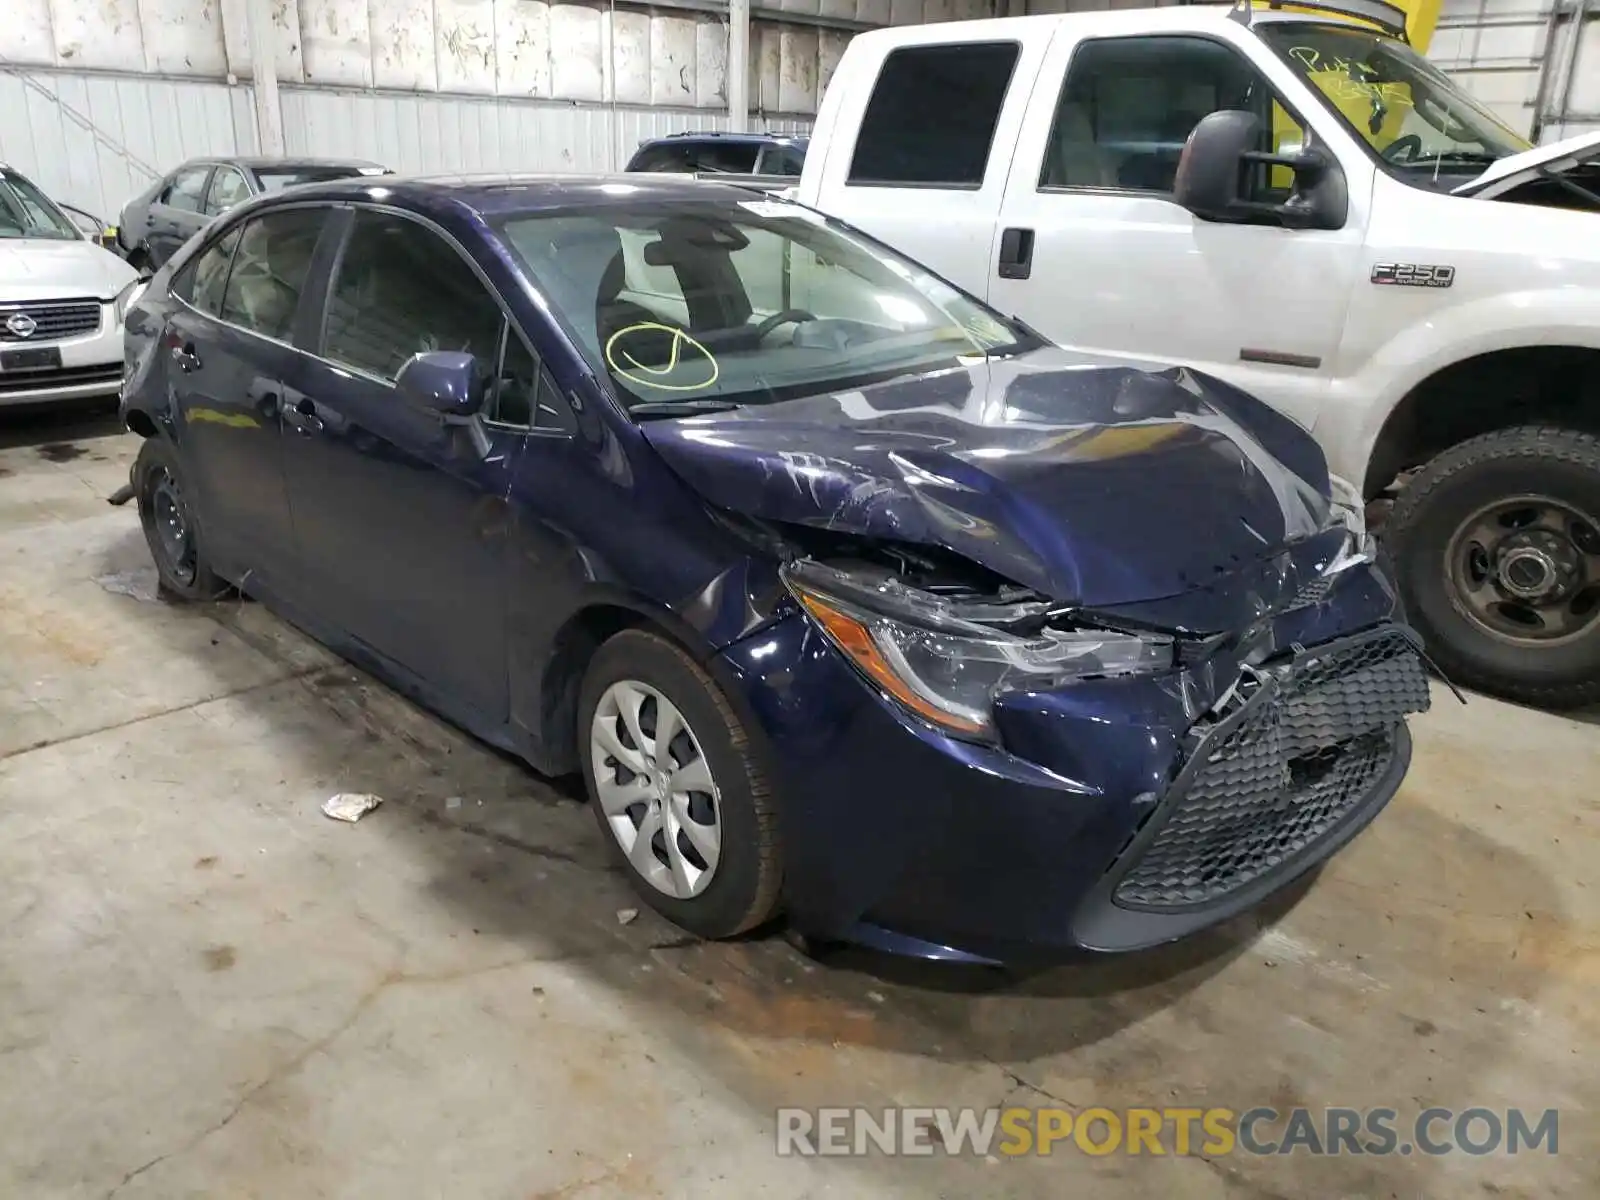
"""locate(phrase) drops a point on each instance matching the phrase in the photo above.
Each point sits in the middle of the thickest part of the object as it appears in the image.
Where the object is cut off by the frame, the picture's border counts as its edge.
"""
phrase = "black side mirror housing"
(447, 382)
(1216, 164)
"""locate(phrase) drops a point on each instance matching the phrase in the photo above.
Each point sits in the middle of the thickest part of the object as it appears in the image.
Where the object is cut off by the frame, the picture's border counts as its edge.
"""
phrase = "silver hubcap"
(655, 789)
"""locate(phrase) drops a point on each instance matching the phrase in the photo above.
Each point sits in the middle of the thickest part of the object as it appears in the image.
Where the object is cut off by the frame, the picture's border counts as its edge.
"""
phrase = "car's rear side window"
(204, 279)
(401, 290)
(270, 270)
(931, 118)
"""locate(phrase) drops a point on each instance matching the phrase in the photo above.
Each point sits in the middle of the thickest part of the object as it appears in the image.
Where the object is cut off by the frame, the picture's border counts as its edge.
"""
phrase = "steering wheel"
(1410, 143)
(788, 315)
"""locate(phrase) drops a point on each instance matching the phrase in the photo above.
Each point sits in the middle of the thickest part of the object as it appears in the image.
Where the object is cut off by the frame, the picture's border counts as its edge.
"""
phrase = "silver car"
(62, 299)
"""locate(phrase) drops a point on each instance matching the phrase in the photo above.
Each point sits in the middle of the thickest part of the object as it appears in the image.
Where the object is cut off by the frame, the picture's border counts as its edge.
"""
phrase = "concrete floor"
(209, 988)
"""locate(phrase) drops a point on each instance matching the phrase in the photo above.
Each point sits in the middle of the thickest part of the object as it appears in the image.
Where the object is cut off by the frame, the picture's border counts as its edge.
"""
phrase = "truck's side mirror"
(1220, 161)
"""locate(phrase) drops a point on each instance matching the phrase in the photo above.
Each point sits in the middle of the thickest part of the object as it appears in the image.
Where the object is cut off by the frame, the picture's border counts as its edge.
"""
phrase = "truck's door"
(920, 142)
(1092, 250)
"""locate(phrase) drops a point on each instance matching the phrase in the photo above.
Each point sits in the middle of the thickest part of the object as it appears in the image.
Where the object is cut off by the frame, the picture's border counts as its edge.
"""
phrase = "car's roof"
(258, 162)
(499, 195)
(725, 137)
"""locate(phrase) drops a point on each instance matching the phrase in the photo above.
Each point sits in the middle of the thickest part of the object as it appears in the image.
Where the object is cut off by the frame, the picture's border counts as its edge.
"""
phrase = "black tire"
(1440, 499)
(744, 887)
(159, 488)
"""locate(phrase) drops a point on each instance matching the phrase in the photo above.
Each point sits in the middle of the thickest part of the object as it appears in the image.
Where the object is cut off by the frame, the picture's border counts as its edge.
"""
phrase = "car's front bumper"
(1116, 813)
(91, 365)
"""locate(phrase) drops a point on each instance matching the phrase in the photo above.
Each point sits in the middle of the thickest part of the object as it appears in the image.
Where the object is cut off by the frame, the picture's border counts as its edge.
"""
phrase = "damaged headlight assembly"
(1349, 509)
(946, 658)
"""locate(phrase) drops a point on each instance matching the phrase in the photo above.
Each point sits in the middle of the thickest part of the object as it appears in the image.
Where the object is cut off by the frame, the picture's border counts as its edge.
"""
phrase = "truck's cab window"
(932, 115)
(1128, 105)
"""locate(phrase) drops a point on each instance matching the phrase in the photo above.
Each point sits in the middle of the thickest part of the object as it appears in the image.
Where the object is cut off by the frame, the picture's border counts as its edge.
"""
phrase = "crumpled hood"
(48, 269)
(1096, 485)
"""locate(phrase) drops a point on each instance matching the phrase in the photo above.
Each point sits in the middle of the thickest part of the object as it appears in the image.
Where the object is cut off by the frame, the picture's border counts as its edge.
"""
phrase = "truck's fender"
(1359, 404)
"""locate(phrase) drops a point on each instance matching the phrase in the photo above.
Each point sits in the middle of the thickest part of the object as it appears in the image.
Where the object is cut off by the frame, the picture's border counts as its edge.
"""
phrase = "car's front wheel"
(676, 787)
(1497, 547)
(167, 513)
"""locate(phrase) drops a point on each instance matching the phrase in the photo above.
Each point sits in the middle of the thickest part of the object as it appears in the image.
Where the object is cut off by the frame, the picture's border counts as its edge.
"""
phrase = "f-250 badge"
(1413, 275)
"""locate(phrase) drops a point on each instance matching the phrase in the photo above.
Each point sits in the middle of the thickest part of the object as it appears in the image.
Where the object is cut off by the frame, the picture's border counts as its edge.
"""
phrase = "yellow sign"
(653, 377)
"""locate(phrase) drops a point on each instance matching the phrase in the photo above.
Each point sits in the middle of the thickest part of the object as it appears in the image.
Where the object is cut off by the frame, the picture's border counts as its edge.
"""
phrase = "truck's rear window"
(932, 115)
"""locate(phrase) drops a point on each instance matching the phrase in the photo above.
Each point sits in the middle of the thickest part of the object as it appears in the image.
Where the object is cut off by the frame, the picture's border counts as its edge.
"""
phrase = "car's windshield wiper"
(680, 408)
(1456, 156)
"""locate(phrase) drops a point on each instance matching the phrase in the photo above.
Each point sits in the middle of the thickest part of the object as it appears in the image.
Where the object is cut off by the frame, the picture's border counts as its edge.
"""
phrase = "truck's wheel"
(1497, 547)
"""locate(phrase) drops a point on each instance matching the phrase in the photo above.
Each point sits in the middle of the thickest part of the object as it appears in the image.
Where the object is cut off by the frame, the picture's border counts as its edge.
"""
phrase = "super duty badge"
(1413, 275)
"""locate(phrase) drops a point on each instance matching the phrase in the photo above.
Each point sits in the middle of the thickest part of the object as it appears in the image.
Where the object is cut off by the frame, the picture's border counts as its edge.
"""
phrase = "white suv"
(62, 298)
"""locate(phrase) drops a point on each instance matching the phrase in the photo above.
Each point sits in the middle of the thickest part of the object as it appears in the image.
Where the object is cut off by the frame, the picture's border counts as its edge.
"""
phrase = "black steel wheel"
(170, 529)
(1497, 547)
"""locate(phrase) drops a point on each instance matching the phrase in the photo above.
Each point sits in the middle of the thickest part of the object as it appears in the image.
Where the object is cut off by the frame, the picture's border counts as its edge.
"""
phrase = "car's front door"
(230, 348)
(177, 213)
(1093, 251)
(402, 523)
(228, 187)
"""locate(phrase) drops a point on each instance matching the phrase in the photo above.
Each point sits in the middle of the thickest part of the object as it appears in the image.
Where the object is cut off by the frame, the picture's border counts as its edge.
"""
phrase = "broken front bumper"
(1116, 814)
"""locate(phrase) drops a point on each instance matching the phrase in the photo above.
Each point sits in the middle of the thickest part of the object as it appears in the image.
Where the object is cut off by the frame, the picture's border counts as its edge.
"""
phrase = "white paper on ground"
(350, 806)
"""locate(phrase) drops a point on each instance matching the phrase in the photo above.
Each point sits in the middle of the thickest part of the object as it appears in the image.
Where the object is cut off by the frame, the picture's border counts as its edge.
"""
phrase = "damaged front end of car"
(1033, 690)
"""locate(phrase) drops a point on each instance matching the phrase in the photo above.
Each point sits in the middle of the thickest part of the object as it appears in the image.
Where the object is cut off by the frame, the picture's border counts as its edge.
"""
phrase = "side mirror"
(1218, 164)
(447, 382)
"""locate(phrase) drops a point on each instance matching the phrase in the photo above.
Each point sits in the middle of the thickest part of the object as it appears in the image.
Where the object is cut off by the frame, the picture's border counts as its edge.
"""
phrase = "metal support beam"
(264, 75)
(739, 66)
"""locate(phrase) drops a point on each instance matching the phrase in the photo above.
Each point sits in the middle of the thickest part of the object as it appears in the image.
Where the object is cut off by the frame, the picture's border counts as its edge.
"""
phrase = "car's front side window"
(270, 270)
(1127, 106)
(733, 302)
(187, 190)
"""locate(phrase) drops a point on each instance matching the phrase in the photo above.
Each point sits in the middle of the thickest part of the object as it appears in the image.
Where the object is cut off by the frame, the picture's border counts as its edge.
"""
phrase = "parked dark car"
(178, 205)
(849, 596)
(722, 154)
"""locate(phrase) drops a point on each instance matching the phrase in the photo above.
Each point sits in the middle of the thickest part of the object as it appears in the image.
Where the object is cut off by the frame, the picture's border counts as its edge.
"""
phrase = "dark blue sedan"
(851, 599)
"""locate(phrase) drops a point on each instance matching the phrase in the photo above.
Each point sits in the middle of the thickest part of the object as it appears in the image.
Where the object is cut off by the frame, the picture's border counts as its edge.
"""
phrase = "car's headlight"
(126, 297)
(947, 659)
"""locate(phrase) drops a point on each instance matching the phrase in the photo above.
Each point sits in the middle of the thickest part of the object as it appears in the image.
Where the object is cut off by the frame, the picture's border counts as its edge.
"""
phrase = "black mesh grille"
(60, 377)
(53, 320)
(1308, 748)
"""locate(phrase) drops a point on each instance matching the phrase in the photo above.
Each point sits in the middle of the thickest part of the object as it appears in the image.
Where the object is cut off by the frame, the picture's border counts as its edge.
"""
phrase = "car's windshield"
(275, 179)
(709, 303)
(1409, 112)
(25, 212)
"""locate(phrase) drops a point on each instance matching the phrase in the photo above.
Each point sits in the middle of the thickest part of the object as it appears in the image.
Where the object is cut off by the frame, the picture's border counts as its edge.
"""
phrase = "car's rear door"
(402, 525)
(230, 346)
(176, 213)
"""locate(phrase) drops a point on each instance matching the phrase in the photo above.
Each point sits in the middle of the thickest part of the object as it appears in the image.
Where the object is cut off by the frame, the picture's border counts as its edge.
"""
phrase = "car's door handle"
(302, 416)
(1016, 253)
(185, 356)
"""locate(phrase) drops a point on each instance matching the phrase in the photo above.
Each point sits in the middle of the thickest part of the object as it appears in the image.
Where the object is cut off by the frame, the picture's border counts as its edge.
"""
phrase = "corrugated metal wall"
(422, 85)
(1536, 63)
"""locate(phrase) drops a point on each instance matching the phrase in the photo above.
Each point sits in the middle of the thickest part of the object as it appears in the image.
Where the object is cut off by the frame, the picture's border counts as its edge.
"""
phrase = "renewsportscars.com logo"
(1013, 1132)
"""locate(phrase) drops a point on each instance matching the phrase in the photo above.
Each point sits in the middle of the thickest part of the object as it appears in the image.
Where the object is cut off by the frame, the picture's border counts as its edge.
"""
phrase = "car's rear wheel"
(676, 787)
(1496, 544)
(167, 514)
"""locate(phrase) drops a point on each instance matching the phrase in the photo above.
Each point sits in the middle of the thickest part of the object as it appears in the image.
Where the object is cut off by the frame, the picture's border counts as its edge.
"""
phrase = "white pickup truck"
(1302, 205)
